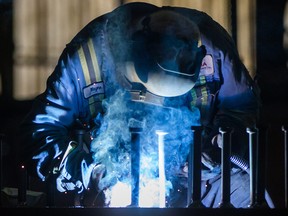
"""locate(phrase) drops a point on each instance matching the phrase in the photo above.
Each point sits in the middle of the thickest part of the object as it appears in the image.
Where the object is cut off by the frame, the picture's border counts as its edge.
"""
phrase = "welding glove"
(209, 159)
(75, 169)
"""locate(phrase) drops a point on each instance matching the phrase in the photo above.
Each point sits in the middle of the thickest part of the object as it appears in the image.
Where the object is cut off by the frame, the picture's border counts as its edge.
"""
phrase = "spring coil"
(240, 162)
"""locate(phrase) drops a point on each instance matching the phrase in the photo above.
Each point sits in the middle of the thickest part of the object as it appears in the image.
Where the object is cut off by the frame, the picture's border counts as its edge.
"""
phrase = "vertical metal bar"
(190, 173)
(161, 165)
(284, 129)
(1, 165)
(22, 185)
(51, 187)
(135, 165)
(194, 169)
(253, 140)
(225, 167)
(79, 197)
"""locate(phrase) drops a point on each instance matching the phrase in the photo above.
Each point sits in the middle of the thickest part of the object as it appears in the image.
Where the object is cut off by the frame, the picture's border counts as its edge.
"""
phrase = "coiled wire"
(240, 162)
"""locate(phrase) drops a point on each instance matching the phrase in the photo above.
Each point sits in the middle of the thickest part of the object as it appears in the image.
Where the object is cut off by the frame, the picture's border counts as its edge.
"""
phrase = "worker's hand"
(75, 169)
(211, 154)
(207, 161)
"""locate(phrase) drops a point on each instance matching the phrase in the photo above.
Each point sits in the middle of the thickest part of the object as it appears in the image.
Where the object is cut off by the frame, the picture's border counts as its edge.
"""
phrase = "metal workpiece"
(257, 163)
(194, 170)
(253, 140)
(225, 167)
(135, 165)
(284, 129)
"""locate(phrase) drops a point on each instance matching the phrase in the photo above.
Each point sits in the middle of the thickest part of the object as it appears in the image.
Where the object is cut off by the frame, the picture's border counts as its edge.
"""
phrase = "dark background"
(272, 77)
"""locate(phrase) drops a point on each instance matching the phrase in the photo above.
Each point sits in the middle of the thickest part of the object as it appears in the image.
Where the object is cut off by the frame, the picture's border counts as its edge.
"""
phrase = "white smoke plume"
(112, 142)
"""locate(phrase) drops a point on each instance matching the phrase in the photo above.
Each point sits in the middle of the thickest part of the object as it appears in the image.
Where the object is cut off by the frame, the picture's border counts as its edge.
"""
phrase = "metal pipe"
(253, 140)
(161, 165)
(194, 170)
(225, 167)
(1, 165)
(135, 165)
(22, 185)
(50, 188)
(284, 129)
(79, 197)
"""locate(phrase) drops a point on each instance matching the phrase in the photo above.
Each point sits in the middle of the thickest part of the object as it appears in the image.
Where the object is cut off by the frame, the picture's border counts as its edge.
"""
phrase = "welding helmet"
(166, 57)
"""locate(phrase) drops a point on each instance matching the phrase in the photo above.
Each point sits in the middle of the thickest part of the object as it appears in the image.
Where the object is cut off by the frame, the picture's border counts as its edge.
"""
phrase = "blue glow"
(112, 147)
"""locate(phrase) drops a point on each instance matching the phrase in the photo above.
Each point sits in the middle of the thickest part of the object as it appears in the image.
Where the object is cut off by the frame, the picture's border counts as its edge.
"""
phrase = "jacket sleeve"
(46, 130)
(236, 103)
(238, 106)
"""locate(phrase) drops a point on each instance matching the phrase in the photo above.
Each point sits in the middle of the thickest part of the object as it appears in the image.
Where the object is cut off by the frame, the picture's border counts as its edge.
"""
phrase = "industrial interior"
(33, 34)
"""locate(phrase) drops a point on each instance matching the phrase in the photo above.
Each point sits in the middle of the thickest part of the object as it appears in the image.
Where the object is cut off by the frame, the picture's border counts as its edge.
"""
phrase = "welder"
(156, 54)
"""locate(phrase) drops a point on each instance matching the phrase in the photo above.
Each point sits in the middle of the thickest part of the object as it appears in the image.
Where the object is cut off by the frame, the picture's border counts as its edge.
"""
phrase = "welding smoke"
(112, 144)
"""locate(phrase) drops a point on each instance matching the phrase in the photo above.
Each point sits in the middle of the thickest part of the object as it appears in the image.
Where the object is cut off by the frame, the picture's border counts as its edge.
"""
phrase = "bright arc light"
(120, 195)
(162, 177)
(152, 189)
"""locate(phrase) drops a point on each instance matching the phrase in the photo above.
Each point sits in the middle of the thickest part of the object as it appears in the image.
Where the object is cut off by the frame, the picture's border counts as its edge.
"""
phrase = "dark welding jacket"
(87, 72)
